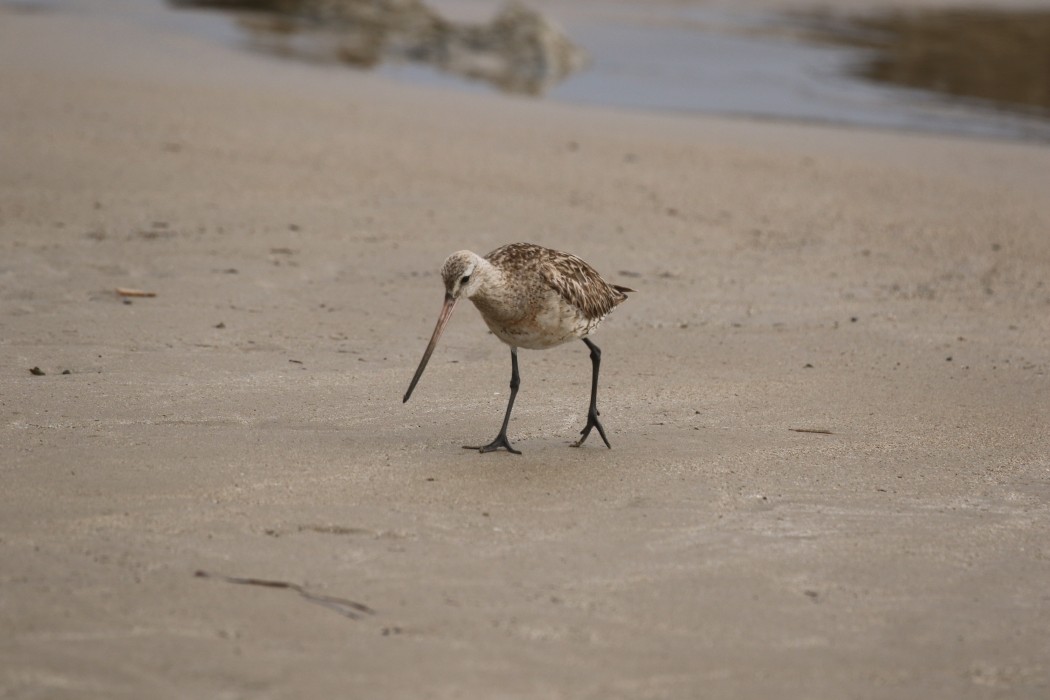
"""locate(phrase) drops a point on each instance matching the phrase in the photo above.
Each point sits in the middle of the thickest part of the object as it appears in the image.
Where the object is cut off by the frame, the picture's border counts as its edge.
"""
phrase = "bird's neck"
(494, 298)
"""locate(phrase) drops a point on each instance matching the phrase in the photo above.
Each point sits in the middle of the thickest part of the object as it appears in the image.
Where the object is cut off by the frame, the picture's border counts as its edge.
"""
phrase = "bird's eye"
(465, 280)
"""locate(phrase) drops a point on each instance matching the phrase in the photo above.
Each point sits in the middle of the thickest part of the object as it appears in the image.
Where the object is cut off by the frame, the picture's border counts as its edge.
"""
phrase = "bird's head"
(462, 273)
(459, 274)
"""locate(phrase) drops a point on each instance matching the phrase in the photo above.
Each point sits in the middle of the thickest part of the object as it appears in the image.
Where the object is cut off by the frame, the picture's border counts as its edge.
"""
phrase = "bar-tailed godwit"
(530, 297)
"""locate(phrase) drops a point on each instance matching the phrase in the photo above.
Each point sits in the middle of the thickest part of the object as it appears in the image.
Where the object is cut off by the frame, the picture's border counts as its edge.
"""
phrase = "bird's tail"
(623, 290)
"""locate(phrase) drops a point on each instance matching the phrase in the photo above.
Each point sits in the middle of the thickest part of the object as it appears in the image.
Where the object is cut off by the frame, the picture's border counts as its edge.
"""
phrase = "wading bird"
(530, 297)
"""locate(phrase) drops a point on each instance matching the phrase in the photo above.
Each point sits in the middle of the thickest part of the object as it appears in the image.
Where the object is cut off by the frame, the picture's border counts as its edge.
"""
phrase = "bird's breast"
(545, 321)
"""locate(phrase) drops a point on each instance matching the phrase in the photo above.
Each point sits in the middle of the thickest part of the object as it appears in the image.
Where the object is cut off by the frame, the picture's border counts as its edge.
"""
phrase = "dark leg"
(592, 413)
(501, 439)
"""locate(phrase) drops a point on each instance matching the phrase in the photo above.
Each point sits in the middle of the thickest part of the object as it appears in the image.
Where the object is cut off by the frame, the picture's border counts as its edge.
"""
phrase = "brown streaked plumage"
(530, 297)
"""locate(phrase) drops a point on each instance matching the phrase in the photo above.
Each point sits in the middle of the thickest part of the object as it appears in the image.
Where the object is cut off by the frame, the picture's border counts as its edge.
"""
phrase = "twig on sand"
(820, 431)
(126, 292)
(347, 608)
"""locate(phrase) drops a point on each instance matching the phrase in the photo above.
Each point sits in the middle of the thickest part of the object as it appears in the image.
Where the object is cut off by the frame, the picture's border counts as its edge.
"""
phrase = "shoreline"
(761, 61)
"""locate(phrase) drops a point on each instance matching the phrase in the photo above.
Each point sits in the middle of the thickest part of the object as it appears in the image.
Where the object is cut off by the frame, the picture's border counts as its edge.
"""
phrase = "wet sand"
(889, 289)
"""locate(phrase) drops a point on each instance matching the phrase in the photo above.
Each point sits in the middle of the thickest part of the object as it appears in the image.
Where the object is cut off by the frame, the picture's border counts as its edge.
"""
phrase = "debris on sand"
(127, 292)
(346, 608)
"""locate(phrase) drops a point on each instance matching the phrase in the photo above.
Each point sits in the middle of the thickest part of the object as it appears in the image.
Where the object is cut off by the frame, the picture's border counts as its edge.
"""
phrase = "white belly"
(555, 323)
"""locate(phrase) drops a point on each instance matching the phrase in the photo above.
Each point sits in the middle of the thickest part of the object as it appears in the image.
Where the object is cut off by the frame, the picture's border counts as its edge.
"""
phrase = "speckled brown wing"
(576, 281)
(581, 285)
(518, 255)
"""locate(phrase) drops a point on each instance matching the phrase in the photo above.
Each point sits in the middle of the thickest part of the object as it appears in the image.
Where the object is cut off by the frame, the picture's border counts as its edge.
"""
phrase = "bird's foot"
(592, 422)
(500, 441)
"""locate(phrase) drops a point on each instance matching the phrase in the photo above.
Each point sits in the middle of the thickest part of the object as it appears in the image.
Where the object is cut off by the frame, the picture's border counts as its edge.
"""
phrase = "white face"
(458, 274)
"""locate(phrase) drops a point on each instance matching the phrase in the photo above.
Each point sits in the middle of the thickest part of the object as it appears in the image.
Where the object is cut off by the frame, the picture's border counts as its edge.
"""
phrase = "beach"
(827, 399)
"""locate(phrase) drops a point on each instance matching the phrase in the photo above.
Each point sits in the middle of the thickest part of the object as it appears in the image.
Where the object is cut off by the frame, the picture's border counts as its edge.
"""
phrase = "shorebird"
(530, 297)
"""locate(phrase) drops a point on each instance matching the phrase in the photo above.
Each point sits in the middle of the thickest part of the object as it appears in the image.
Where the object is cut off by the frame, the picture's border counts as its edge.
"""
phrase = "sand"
(890, 289)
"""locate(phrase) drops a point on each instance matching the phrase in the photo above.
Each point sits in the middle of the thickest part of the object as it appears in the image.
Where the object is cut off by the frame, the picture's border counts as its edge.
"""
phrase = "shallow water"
(977, 73)
(973, 72)
(959, 73)
(1000, 58)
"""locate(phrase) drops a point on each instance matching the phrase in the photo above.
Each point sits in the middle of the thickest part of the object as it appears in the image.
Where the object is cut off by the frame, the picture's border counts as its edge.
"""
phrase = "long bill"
(446, 314)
